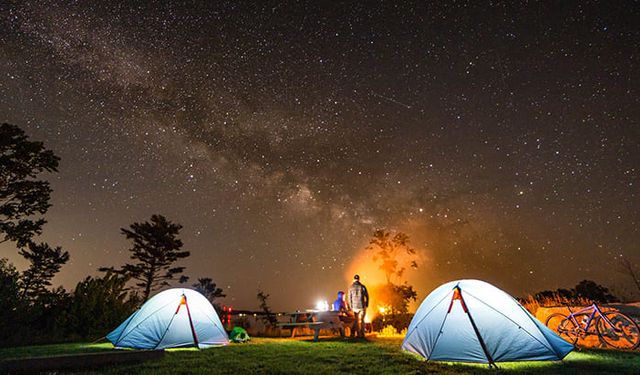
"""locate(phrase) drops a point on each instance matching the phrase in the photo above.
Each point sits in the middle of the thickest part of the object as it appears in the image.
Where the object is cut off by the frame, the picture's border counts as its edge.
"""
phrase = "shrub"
(397, 321)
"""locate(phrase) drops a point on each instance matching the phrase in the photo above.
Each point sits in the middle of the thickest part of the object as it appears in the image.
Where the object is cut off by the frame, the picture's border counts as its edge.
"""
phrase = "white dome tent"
(473, 321)
(173, 318)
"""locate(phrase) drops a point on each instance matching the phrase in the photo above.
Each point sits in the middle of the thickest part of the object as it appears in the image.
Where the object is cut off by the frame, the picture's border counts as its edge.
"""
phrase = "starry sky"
(503, 138)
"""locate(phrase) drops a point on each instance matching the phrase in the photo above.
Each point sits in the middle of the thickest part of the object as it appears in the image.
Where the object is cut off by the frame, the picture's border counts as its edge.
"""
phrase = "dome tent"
(473, 321)
(171, 319)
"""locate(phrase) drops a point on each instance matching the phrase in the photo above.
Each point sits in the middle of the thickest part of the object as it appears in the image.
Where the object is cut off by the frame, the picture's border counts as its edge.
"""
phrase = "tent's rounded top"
(174, 296)
(177, 292)
(478, 288)
(465, 283)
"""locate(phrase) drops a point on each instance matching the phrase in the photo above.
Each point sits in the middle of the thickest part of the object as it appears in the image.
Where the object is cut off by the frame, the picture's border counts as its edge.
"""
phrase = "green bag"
(238, 334)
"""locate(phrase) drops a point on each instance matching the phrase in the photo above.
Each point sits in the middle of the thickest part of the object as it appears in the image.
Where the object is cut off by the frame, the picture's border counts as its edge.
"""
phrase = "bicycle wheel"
(622, 333)
(565, 327)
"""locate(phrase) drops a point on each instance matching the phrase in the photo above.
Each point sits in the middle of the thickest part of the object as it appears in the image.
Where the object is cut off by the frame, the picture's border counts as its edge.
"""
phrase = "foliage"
(99, 304)
(44, 317)
(268, 318)
(591, 290)
(156, 247)
(387, 248)
(12, 304)
(31, 310)
(21, 195)
(397, 321)
(45, 263)
(394, 253)
(209, 289)
(391, 331)
(96, 306)
(399, 302)
(394, 298)
(584, 293)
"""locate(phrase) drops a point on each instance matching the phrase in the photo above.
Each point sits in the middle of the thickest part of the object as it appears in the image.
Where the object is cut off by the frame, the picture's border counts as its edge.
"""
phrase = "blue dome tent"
(473, 321)
(173, 318)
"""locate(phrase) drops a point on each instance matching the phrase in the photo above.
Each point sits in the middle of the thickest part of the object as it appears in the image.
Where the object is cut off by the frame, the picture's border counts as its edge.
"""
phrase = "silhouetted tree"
(594, 292)
(21, 195)
(394, 254)
(45, 262)
(156, 247)
(209, 289)
(387, 248)
(585, 290)
(269, 318)
(558, 294)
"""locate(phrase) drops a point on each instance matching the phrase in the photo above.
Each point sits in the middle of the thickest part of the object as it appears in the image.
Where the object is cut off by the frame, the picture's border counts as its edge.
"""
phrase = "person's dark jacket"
(358, 296)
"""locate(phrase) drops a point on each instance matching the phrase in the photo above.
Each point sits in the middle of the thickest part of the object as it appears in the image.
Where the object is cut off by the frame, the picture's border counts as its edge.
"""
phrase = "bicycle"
(614, 328)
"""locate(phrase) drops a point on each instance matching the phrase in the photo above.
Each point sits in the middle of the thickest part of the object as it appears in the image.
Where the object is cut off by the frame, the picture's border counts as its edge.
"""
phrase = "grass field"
(376, 355)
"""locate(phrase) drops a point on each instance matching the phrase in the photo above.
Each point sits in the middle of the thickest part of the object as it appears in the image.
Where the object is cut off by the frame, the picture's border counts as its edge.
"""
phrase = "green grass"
(55, 349)
(264, 355)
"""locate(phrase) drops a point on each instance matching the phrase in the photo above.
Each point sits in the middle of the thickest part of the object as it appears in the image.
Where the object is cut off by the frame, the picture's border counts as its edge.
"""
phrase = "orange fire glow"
(373, 277)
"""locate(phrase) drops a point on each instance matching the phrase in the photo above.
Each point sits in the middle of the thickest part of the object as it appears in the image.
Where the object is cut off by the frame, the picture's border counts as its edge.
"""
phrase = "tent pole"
(475, 329)
(125, 327)
(193, 331)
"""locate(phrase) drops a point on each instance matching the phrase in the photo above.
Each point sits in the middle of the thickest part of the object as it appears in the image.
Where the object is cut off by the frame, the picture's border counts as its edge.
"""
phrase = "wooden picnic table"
(316, 320)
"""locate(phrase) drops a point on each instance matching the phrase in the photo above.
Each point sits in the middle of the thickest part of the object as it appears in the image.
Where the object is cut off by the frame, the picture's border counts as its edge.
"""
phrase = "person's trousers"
(358, 323)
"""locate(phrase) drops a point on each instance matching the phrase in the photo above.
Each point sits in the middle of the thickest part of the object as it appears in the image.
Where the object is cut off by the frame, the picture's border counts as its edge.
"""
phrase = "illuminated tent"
(473, 321)
(171, 319)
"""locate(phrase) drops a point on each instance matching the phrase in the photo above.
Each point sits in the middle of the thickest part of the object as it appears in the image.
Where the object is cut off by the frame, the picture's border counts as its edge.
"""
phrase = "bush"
(390, 331)
(12, 312)
(585, 293)
(397, 321)
(98, 305)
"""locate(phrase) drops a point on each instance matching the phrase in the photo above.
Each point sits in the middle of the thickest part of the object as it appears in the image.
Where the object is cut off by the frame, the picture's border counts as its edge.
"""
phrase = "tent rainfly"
(473, 321)
(173, 318)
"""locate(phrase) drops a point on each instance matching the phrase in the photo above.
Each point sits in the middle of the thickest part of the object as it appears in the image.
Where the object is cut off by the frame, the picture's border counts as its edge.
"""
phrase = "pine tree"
(156, 247)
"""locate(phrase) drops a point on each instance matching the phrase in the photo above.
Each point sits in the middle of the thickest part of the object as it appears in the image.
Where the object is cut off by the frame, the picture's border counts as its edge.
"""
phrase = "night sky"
(503, 138)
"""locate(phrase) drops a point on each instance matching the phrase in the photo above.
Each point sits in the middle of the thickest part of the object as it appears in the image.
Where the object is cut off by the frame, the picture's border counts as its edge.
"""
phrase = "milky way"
(503, 139)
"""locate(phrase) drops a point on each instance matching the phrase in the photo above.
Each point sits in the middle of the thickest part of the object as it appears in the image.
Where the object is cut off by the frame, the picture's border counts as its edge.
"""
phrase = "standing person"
(359, 301)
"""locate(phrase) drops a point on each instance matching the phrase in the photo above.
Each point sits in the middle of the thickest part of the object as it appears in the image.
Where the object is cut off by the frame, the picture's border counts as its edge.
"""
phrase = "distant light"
(322, 305)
